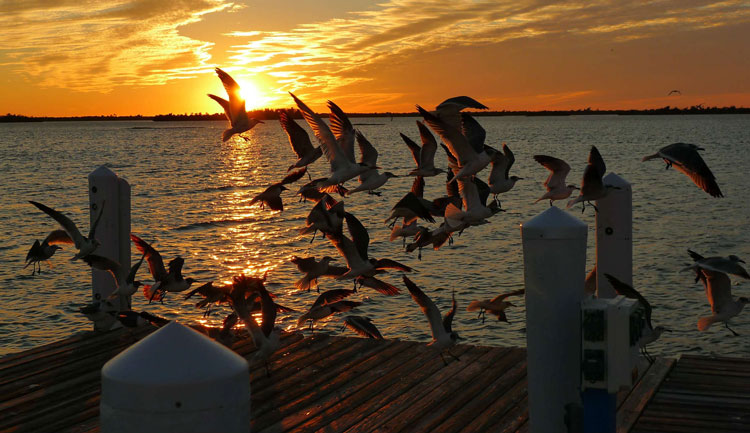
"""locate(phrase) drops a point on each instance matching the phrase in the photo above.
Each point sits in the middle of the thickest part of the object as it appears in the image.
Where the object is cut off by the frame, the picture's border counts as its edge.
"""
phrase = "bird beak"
(741, 261)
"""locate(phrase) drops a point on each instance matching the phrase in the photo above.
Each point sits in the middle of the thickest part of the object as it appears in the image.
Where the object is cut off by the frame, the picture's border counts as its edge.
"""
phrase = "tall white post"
(113, 230)
(554, 255)
(614, 235)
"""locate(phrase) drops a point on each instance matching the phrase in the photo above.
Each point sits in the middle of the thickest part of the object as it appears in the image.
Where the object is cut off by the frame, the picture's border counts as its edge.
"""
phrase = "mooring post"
(175, 380)
(113, 231)
(614, 235)
(554, 255)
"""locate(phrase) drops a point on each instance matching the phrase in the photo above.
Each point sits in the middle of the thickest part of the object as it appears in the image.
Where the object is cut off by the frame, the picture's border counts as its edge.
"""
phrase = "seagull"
(165, 281)
(234, 108)
(312, 270)
(674, 91)
(134, 319)
(327, 304)
(338, 149)
(650, 333)
(443, 337)
(311, 191)
(500, 180)
(266, 337)
(404, 231)
(424, 156)
(475, 211)
(449, 111)
(719, 293)
(300, 141)
(727, 265)
(496, 306)
(212, 294)
(327, 216)
(85, 245)
(409, 208)
(271, 196)
(124, 278)
(555, 183)
(370, 180)
(592, 184)
(363, 326)
(469, 160)
(40, 252)
(686, 159)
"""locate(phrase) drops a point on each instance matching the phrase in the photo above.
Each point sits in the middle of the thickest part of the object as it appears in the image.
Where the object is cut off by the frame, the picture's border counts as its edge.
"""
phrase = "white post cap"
(553, 223)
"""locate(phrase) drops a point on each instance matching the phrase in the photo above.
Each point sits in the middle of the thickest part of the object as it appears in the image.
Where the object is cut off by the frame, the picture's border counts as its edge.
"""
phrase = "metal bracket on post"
(614, 235)
(554, 255)
(113, 231)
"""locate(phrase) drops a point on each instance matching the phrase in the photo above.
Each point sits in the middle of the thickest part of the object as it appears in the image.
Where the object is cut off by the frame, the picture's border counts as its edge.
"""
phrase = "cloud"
(95, 45)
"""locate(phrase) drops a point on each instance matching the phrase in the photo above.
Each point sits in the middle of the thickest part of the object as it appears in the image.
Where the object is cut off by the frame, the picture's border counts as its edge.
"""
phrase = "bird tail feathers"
(705, 322)
(473, 306)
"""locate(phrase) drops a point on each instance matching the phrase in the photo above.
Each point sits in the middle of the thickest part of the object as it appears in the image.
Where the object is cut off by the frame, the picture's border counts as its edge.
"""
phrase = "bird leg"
(403, 241)
(419, 254)
(313, 238)
(550, 203)
(308, 174)
(726, 325)
(669, 164)
(484, 315)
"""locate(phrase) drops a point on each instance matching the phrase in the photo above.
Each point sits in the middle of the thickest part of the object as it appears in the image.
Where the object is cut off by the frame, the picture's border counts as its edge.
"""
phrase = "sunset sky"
(86, 57)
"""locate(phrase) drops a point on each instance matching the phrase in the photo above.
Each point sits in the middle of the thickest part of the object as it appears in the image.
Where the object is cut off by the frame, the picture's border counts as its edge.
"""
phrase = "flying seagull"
(234, 108)
(500, 180)
(719, 293)
(363, 326)
(592, 184)
(271, 196)
(686, 159)
(496, 306)
(40, 252)
(728, 265)
(300, 142)
(423, 156)
(85, 244)
(555, 183)
(124, 278)
(370, 180)
(165, 280)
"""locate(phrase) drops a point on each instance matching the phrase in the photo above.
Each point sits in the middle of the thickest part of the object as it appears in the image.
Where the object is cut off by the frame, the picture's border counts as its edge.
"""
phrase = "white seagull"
(300, 142)
(728, 265)
(443, 337)
(496, 306)
(686, 159)
(592, 184)
(312, 269)
(370, 180)
(85, 244)
(234, 108)
(424, 156)
(719, 293)
(500, 180)
(555, 183)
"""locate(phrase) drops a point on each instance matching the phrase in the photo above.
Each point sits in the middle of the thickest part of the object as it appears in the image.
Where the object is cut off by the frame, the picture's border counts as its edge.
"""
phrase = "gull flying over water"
(327, 304)
(271, 196)
(312, 269)
(650, 333)
(327, 216)
(363, 326)
(443, 337)
(40, 252)
(85, 244)
(300, 142)
(685, 158)
(234, 108)
(728, 265)
(370, 180)
(718, 288)
(212, 294)
(592, 184)
(124, 278)
(496, 306)
(500, 180)
(555, 183)
(165, 281)
(424, 156)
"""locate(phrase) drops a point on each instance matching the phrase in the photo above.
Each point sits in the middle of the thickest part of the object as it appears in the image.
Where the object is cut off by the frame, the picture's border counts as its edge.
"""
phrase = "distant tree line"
(272, 114)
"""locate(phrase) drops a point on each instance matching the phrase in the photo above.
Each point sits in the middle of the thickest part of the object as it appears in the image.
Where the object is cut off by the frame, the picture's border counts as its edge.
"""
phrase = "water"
(191, 195)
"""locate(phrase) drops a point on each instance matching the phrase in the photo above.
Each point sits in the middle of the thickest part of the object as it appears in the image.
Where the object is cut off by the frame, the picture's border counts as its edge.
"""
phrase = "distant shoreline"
(269, 114)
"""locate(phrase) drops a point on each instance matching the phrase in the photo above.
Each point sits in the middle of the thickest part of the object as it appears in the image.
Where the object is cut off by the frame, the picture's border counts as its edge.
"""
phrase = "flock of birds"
(465, 205)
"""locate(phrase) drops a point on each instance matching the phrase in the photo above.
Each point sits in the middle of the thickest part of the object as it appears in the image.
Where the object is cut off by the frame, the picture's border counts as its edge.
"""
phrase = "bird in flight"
(40, 252)
(555, 183)
(85, 244)
(686, 159)
(234, 108)
(674, 92)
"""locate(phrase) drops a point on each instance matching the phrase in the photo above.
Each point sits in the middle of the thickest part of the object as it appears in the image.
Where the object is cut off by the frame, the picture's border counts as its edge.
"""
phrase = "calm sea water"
(191, 195)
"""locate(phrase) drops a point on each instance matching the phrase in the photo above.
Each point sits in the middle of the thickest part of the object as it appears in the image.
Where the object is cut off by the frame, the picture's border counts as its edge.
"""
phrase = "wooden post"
(614, 235)
(554, 254)
(113, 231)
(175, 380)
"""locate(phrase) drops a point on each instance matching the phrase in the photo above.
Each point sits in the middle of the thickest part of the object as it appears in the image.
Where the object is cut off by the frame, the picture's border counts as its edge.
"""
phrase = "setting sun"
(254, 97)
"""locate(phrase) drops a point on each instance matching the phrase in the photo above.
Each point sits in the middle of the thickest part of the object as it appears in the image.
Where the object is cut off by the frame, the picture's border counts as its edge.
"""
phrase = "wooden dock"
(339, 384)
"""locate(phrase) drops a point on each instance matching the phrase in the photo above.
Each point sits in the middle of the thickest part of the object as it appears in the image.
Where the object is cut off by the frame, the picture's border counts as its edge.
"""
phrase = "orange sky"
(86, 57)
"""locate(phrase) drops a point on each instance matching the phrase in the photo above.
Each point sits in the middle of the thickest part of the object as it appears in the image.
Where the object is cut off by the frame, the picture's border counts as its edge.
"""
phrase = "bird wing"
(368, 151)
(268, 312)
(596, 160)
(718, 289)
(448, 319)
(686, 159)
(362, 326)
(417, 187)
(225, 105)
(469, 194)
(452, 137)
(429, 147)
(429, 308)
(347, 249)
(360, 237)
(500, 167)
(298, 138)
(331, 148)
(92, 232)
(304, 264)
(508, 294)
(627, 291)
(473, 131)
(413, 148)
(175, 267)
(335, 271)
(331, 296)
(458, 103)
(293, 176)
(510, 158)
(591, 183)
(411, 202)
(379, 285)
(134, 270)
(68, 225)
(483, 190)
(342, 129)
(559, 171)
(105, 264)
(57, 237)
(155, 262)
(236, 103)
(391, 264)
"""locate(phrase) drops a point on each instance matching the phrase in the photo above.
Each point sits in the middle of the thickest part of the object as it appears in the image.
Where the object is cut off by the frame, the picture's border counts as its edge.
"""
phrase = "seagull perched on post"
(650, 333)
(40, 252)
(496, 306)
(234, 108)
(686, 159)
(300, 142)
(592, 184)
(85, 244)
(166, 281)
(443, 337)
(555, 183)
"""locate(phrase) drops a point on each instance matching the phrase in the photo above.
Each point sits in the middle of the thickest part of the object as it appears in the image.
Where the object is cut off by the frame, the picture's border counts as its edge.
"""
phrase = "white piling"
(554, 253)
(113, 231)
(614, 235)
(176, 380)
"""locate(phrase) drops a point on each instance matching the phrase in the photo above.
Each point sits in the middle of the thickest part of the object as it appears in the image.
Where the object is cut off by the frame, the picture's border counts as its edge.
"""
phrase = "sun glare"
(254, 98)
